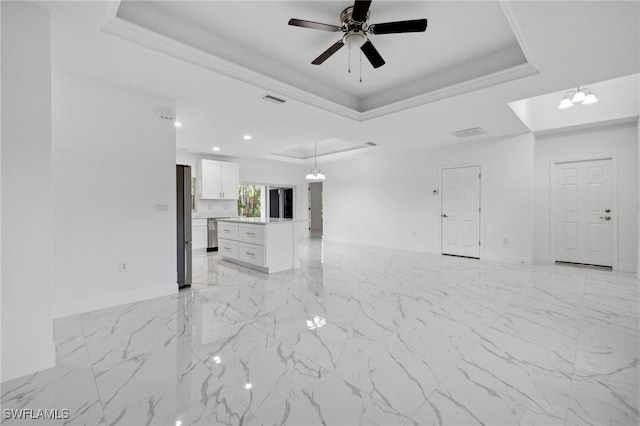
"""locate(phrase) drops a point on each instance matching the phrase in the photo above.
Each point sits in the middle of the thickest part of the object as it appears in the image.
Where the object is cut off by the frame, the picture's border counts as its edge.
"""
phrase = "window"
(250, 200)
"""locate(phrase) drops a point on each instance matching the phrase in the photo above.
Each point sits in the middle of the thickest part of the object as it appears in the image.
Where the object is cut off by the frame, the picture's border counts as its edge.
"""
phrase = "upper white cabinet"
(218, 180)
(230, 178)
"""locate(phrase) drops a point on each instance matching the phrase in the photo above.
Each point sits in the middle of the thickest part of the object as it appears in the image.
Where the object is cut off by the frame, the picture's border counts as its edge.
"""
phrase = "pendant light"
(577, 97)
(315, 173)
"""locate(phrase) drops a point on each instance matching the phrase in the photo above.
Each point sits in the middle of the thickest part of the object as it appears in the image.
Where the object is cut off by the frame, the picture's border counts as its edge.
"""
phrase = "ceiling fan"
(355, 26)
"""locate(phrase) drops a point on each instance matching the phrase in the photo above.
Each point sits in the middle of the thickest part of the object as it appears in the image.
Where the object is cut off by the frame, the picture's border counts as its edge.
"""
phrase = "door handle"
(605, 217)
(444, 215)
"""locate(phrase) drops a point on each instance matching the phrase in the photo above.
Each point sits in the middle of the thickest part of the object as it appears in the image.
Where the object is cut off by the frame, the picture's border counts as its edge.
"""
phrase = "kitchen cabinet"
(218, 180)
(230, 179)
(268, 245)
(199, 233)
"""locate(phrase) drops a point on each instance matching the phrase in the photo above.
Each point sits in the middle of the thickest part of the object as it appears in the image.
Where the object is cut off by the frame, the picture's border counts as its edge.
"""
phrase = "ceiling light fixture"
(315, 173)
(215, 148)
(247, 137)
(177, 124)
(577, 97)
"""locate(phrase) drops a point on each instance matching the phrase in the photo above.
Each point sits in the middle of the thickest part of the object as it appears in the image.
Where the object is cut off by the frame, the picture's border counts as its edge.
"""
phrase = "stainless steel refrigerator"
(184, 244)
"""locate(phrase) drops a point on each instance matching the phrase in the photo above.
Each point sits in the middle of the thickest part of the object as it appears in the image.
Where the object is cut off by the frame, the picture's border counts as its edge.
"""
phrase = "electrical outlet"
(123, 267)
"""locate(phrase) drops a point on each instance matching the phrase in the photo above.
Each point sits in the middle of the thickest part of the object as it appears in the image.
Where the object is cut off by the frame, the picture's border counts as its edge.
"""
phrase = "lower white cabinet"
(199, 234)
(228, 248)
(228, 231)
(251, 253)
(266, 246)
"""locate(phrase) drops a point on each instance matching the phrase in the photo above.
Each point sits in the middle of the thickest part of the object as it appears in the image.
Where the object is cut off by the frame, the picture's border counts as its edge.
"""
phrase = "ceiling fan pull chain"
(349, 55)
(361, 66)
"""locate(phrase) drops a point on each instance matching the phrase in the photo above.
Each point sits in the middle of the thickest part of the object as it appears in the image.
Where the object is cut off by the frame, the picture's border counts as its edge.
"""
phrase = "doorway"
(460, 217)
(280, 202)
(582, 213)
(315, 209)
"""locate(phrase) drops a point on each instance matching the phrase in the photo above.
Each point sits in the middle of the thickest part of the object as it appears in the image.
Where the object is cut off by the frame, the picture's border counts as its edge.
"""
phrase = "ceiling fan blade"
(314, 25)
(327, 53)
(360, 9)
(372, 54)
(414, 26)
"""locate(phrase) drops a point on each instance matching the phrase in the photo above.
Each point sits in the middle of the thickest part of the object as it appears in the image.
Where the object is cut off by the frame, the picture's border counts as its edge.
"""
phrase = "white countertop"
(197, 216)
(258, 220)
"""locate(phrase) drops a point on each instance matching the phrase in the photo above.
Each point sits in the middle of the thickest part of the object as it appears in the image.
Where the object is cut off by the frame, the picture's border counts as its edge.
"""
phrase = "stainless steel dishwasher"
(212, 234)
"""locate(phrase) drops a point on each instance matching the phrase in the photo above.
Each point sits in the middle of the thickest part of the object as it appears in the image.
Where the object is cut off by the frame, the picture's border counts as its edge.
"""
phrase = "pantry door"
(460, 214)
(582, 212)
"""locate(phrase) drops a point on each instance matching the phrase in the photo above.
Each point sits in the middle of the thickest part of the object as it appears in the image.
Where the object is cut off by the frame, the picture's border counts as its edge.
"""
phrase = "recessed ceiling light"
(247, 137)
(248, 386)
(177, 124)
(215, 148)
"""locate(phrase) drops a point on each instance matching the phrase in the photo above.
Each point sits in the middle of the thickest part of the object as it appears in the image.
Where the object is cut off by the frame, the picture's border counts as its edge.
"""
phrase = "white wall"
(253, 170)
(0, 198)
(113, 162)
(384, 198)
(620, 141)
(27, 237)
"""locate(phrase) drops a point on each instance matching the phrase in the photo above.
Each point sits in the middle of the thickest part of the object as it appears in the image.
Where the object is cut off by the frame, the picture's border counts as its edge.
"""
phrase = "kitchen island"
(268, 245)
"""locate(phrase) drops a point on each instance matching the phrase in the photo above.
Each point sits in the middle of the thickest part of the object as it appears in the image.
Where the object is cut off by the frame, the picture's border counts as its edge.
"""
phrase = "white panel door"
(461, 211)
(581, 212)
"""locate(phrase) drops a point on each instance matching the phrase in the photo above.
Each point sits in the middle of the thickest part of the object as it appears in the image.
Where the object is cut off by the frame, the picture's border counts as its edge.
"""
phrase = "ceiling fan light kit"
(577, 97)
(356, 29)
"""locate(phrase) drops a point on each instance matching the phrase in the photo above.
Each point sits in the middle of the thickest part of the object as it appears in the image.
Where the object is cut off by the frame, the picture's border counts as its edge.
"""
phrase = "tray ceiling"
(467, 46)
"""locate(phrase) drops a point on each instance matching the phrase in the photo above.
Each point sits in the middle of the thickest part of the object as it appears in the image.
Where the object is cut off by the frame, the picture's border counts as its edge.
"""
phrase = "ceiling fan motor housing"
(346, 17)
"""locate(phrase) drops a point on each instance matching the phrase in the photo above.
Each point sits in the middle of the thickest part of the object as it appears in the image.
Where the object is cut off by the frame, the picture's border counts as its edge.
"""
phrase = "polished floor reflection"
(356, 336)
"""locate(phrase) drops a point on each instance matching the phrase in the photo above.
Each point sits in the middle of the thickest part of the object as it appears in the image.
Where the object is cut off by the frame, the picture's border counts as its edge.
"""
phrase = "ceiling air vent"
(475, 131)
(273, 99)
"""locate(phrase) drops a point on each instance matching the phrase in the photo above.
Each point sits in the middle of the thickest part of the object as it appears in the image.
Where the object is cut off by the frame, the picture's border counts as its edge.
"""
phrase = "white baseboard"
(626, 267)
(101, 302)
(514, 260)
(28, 363)
(408, 247)
(503, 259)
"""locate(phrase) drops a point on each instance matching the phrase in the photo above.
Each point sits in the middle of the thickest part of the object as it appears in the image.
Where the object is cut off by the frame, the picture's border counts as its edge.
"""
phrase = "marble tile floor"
(356, 336)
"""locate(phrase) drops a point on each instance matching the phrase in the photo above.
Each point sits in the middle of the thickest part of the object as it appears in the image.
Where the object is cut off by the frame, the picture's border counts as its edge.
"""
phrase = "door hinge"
(479, 209)
(479, 175)
(479, 243)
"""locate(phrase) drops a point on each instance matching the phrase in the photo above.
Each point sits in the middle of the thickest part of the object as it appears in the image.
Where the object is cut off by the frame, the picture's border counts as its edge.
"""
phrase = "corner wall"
(385, 198)
(113, 162)
(27, 236)
(620, 141)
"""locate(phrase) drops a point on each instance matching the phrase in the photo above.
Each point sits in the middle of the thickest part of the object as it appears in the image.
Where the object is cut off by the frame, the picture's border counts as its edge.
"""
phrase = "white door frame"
(614, 208)
(270, 186)
(480, 200)
(309, 209)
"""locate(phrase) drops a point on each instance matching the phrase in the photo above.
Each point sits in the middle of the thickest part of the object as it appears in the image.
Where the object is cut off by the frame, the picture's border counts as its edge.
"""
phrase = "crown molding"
(142, 36)
(129, 31)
